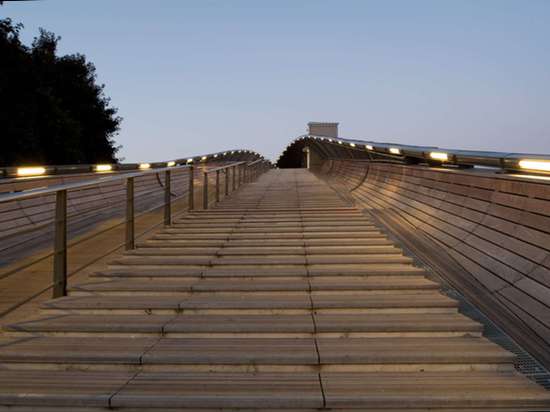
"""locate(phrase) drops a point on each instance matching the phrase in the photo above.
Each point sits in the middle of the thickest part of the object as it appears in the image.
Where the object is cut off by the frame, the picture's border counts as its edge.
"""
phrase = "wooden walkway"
(283, 297)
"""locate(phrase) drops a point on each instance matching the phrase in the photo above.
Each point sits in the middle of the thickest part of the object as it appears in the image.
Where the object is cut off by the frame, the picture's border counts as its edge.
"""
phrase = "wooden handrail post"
(60, 245)
(205, 191)
(233, 175)
(167, 199)
(217, 186)
(191, 194)
(130, 223)
(226, 181)
(240, 175)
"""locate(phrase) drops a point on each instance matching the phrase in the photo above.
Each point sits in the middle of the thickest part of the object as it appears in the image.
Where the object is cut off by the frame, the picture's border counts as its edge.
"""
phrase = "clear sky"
(200, 76)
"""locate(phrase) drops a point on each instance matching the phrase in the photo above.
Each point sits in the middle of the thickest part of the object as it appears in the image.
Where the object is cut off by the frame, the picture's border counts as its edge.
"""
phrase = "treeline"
(51, 109)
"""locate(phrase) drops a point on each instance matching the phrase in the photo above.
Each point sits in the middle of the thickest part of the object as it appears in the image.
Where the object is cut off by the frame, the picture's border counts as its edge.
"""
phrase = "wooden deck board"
(283, 298)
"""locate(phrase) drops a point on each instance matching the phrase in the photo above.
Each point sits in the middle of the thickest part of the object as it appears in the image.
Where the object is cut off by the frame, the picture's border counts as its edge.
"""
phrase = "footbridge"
(353, 276)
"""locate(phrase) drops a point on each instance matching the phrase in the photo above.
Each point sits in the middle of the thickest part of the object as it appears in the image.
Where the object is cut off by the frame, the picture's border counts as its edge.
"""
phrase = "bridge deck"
(283, 297)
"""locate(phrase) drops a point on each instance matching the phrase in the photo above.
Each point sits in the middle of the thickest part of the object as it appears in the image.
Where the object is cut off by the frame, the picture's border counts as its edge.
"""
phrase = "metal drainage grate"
(524, 362)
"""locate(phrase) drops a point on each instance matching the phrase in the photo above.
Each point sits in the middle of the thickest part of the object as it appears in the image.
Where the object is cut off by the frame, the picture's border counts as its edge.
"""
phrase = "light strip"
(171, 163)
(531, 164)
(144, 166)
(31, 171)
(369, 147)
(444, 157)
(103, 168)
(395, 150)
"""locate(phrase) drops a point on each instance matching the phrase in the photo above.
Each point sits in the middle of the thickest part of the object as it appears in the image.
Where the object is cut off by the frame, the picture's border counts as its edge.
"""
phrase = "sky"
(200, 76)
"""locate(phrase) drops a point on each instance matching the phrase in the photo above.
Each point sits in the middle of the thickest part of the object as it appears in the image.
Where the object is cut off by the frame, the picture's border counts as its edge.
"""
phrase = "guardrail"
(52, 170)
(239, 172)
(432, 155)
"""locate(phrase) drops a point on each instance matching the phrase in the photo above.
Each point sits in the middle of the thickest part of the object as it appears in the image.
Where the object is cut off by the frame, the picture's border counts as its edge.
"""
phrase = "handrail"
(240, 172)
(223, 167)
(80, 185)
(537, 163)
(52, 170)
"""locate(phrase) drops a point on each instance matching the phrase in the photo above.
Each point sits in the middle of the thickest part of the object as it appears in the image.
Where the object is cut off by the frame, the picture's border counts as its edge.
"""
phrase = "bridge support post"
(167, 199)
(226, 181)
(233, 176)
(240, 175)
(130, 222)
(205, 192)
(60, 245)
(217, 186)
(191, 194)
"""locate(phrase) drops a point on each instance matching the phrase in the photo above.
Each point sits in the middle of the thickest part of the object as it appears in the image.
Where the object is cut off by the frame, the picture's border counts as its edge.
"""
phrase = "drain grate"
(524, 362)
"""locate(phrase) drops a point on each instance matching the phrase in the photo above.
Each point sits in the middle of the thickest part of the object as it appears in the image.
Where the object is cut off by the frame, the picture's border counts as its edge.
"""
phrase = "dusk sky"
(192, 77)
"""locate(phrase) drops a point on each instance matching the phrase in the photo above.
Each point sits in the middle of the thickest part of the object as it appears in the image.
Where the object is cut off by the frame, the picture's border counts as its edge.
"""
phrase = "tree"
(52, 111)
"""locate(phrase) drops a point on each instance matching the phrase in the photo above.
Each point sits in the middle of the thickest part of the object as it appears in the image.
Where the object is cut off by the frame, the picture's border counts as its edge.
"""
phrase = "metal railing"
(233, 155)
(238, 172)
(538, 163)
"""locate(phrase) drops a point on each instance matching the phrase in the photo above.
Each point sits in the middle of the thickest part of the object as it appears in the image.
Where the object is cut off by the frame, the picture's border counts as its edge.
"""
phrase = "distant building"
(323, 129)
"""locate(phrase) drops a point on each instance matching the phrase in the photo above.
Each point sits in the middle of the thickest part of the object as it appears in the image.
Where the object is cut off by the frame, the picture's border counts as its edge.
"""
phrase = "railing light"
(215, 155)
(144, 166)
(171, 163)
(444, 157)
(369, 147)
(103, 168)
(330, 140)
(190, 160)
(395, 150)
(30, 171)
(532, 164)
(204, 158)
(352, 144)
(340, 142)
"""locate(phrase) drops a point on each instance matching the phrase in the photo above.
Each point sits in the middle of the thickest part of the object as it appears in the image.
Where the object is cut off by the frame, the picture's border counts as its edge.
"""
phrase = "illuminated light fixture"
(103, 168)
(171, 164)
(215, 155)
(204, 157)
(30, 171)
(444, 157)
(395, 150)
(190, 160)
(369, 147)
(144, 166)
(532, 164)
(352, 144)
(330, 140)
(535, 177)
(340, 142)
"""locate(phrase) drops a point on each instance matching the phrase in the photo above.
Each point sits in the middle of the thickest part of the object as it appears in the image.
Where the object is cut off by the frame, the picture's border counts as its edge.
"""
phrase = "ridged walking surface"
(281, 297)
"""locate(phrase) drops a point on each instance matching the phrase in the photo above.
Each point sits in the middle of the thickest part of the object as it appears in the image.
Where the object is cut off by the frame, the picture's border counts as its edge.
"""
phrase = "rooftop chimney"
(323, 129)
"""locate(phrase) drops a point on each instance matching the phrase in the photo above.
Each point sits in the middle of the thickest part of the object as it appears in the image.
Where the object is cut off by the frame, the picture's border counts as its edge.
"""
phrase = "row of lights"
(104, 168)
(532, 165)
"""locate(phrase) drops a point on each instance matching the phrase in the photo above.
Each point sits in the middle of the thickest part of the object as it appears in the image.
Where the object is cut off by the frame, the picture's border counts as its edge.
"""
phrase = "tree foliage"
(51, 109)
